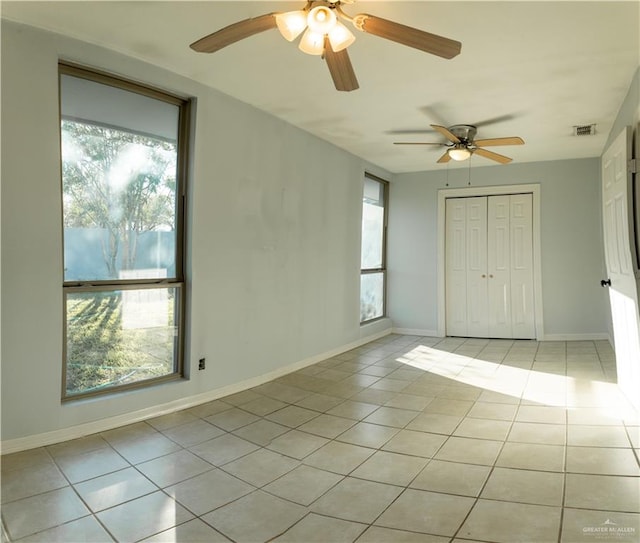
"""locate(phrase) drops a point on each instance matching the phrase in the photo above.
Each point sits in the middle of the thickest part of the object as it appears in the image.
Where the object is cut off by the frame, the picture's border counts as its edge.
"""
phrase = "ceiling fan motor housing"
(464, 132)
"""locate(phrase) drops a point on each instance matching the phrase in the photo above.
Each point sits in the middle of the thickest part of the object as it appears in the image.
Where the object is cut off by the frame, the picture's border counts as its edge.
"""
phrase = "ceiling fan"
(462, 143)
(325, 35)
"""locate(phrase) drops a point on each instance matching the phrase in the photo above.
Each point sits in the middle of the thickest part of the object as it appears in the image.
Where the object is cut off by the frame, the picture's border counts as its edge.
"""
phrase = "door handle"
(605, 283)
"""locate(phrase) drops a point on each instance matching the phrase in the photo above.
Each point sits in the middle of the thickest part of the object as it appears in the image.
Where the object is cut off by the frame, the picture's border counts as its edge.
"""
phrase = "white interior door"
(489, 266)
(466, 262)
(499, 266)
(477, 288)
(523, 325)
(623, 293)
(456, 265)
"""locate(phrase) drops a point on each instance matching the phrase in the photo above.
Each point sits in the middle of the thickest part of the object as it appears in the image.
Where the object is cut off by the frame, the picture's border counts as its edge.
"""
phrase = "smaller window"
(373, 250)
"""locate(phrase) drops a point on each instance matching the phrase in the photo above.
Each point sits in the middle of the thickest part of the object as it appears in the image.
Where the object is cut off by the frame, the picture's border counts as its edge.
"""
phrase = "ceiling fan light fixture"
(459, 153)
(322, 38)
(312, 43)
(340, 37)
(291, 24)
(321, 20)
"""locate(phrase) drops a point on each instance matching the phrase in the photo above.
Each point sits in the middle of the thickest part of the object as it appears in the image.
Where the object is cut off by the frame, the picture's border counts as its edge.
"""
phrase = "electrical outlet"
(201, 364)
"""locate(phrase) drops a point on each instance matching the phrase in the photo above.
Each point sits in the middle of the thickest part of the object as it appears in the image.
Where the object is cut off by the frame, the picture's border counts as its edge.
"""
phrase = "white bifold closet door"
(489, 266)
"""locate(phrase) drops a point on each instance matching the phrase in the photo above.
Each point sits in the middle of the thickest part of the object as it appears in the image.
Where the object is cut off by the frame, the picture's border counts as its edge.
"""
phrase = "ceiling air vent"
(584, 130)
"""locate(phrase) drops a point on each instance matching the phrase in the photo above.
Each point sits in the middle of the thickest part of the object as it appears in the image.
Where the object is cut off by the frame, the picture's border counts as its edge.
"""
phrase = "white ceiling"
(538, 68)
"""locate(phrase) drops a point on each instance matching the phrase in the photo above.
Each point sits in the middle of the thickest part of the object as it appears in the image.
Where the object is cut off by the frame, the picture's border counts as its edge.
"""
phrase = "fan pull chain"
(469, 172)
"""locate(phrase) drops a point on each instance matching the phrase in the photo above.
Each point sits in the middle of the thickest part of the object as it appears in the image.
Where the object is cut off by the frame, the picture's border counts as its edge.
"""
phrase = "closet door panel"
(522, 303)
(456, 266)
(477, 294)
(499, 267)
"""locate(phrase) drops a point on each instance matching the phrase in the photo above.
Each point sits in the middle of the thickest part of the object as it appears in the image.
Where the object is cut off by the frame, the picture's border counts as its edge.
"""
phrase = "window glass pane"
(373, 192)
(371, 296)
(118, 337)
(372, 225)
(118, 183)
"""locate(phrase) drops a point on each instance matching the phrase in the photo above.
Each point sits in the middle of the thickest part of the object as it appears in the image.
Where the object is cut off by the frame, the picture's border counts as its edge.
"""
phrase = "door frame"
(468, 192)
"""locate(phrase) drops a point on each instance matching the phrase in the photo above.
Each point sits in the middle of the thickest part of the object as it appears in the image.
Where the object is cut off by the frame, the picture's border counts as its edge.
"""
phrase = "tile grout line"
(564, 474)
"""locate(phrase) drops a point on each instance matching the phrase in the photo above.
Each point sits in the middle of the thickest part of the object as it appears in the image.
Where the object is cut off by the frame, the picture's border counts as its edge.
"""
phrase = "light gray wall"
(274, 240)
(571, 242)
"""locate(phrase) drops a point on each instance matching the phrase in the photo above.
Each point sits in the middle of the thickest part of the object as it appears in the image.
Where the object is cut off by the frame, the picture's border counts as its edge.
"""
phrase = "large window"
(123, 197)
(373, 256)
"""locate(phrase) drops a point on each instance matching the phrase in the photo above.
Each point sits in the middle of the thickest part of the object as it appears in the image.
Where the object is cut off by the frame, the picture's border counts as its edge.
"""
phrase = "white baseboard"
(575, 337)
(88, 428)
(416, 332)
(546, 337)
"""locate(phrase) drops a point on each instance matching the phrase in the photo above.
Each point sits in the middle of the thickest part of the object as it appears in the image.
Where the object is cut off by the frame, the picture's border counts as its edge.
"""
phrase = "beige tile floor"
(407, 438)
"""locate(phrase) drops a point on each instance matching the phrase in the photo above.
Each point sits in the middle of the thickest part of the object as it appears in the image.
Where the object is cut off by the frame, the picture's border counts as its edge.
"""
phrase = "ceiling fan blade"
(494, 120)
(444, 158)
(432, 112)
(493, 156)
(233, 33)
(446, 133)
(417, 143)
(340, 68)
(513, 140)
(406, 35)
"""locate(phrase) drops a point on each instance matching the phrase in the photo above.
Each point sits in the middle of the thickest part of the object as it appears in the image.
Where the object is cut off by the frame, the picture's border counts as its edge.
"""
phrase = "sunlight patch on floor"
(546, 388)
